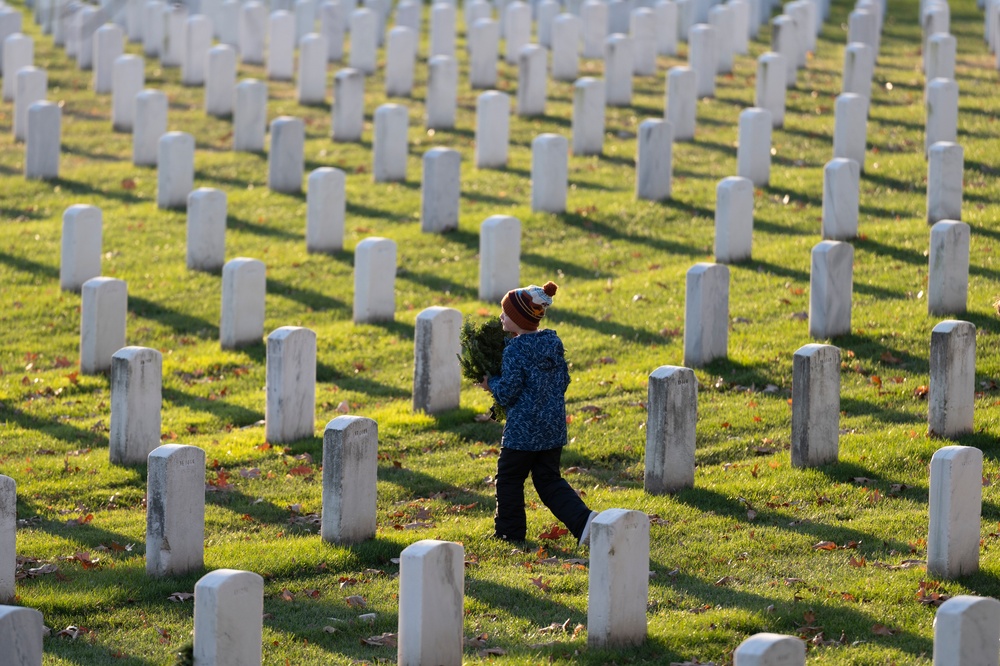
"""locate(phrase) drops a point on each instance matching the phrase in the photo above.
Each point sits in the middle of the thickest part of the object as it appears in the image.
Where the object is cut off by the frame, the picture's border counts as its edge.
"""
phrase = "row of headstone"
(228, 603)
(673, 395)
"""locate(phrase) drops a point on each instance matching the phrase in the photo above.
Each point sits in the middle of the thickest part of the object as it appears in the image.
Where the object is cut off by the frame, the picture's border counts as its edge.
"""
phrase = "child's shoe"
(585, 536)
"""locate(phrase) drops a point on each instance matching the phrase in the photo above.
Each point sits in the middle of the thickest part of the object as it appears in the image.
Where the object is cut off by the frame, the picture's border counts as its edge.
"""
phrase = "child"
(532, 387)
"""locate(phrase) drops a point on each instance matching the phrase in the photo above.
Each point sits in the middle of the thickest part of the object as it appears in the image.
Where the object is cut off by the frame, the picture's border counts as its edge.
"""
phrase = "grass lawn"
(729, 558)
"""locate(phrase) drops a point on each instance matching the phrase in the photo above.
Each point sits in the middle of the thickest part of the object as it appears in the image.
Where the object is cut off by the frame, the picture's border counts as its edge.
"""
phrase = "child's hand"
(484, 384)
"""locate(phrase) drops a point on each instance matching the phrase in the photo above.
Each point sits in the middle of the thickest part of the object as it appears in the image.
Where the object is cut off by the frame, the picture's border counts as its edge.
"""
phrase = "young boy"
(532, 387)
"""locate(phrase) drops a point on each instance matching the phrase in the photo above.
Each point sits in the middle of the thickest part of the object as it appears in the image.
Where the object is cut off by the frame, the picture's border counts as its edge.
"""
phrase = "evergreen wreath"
(482, 354)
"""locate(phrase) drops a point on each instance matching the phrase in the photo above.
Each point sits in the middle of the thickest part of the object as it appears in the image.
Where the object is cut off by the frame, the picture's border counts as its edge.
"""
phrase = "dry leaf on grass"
(384, 640)
(540, 584)
(555, 626)
(356, 601)
(882, 630)
(554, 532)
(493, 651)
(825, 545)
(180, 596)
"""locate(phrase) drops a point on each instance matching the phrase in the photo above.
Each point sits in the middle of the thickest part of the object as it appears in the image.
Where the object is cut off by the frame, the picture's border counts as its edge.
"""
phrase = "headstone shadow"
(227, 412)
(308, 297)
(179, 321)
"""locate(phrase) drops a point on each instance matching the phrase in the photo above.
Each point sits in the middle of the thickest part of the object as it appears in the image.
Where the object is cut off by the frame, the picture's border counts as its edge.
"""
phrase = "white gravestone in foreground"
(499, 257)
(815, 405)
(81, 246)
(440, 190)
(326, 207)
(841, 191)
(350, 470)
(672, 414)
(175, 510)
(767, 649)
(945, 166)
(374, 280)
(942, 112)
(42, 141)
(250, 116)
(967, 631)
(136, 401)
(286, 159)
(290, 409)
(437, 376)
(619, 64)
(654, 156)
(348, 105)
(18, 52)
(30, 87)
(753, 156)
(952, 390)
(228, 618)
(103, 309)
(682, 102)
(549, 173)
(492, 129)
(706, 314)
(831, 281)
(955, 504)
(149, 124)
(390, 145)
(618, 587)
(206, 229)
(733, 220)
(21, 631)
(174, 169)
(431, 595)
(243, 290)
(948, 268)
(770, 89)
(129, 77)
(8, 548)
(588, 116)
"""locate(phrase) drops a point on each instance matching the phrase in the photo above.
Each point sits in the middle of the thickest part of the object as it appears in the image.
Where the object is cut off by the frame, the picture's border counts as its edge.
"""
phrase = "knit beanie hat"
(526, 306)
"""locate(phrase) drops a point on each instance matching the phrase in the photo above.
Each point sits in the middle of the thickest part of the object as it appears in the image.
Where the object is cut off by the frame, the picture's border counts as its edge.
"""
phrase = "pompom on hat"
(526, 306)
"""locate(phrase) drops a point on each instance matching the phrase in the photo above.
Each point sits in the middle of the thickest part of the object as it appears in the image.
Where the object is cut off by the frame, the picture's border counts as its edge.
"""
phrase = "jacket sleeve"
(506, 388)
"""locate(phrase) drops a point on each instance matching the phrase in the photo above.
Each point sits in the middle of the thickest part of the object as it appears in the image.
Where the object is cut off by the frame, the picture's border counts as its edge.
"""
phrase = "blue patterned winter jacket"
(532, 387)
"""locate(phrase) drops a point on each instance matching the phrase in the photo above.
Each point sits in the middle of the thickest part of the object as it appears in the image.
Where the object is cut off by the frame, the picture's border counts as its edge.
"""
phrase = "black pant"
(513, 468)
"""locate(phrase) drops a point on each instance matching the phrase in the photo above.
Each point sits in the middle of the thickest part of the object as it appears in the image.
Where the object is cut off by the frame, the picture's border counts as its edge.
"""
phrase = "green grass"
(720, 574)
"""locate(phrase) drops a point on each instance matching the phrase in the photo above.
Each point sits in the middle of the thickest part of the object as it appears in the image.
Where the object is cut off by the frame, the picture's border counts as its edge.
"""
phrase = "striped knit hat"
(526, 307)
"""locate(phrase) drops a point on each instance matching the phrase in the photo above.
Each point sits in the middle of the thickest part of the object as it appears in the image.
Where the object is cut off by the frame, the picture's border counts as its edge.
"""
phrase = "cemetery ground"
(834, 554)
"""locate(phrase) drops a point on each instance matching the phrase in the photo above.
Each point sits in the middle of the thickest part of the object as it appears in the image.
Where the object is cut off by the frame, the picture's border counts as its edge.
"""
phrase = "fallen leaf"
(882, 630)
(384, 640)
(540, 584)
(301, 470)
(180, 596)
(825, 545)
(287, 595)
(493, 651)
(554, 532)
(356, 601)
(887, 357)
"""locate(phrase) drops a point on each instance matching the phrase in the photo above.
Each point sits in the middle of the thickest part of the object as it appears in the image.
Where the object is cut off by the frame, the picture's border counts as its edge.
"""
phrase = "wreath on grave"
(482, 354)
